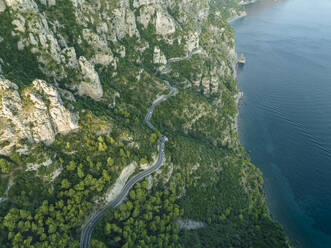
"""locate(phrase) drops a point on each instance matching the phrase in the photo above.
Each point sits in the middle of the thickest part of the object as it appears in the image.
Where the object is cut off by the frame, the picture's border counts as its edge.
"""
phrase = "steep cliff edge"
(36, 115)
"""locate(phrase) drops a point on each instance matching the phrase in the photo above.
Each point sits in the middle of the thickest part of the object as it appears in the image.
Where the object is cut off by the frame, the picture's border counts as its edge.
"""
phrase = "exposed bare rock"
(139, 3)
(35, 115)
(2, 6)
(103, 54)
(56, 173)
(192, 41)
(122, 51)
(158, 57)
(68, 57)
(33, 31)
(21, 4)
(124, 22)
(20, 25)
(48, 2)
(117, 187)
(187, 11)
(164, 24)
(232, 56)
(146, 11)
(149, 165)
(90, 85)
(34, 167)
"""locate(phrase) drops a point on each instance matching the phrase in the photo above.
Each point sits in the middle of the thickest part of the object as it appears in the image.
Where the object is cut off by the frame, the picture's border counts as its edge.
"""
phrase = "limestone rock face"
(55, 58)
(164, 24)
(33, 30)
(146, 11)
(35, 115)
(94, 40)
(192, 41)
(232, 56)
(159, 58)
(2, 6)
(68, 57)
(48, 2)
(139, 3)
(145, 15)
(124, 22)
(21, 4)
(90, 84)
(103, 54)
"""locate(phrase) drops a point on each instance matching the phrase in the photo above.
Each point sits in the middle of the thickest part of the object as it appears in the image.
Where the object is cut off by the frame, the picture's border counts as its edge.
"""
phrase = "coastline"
(237, 17)
(238, 97)
(240, 94)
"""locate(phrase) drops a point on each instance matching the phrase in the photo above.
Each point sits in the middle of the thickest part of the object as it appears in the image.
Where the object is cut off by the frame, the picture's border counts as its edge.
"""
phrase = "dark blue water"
(285, 115)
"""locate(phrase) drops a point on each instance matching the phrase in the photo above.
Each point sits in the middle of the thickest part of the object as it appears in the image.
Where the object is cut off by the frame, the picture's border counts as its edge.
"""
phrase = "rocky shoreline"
(238, 97)
(237, 17)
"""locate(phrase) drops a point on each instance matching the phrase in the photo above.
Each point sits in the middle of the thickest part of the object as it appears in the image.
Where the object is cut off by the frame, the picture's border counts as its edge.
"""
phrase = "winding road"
(87, 230)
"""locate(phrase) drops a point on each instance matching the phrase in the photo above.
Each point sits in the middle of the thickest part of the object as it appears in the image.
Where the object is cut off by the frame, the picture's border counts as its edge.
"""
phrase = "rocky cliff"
(69, 39)
(35, 115)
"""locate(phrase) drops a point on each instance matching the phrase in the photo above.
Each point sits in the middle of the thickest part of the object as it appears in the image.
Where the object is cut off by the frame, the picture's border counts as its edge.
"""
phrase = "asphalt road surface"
(88, 228)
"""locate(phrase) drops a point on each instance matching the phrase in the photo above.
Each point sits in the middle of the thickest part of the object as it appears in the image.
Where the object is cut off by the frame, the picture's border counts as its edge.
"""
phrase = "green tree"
(65, 184)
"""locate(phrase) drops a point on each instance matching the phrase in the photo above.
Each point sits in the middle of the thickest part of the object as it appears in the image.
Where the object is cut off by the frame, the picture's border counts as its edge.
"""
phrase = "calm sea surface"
(285, 115)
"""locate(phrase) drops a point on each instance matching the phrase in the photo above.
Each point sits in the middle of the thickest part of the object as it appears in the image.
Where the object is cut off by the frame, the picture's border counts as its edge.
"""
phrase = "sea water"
(285, 114)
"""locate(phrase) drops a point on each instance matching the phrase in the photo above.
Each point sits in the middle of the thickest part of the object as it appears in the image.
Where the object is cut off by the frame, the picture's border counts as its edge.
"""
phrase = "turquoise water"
(285, 115)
